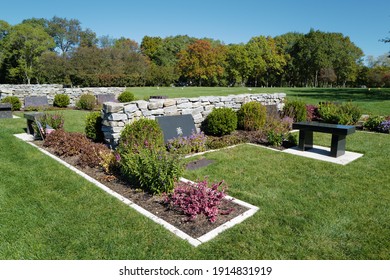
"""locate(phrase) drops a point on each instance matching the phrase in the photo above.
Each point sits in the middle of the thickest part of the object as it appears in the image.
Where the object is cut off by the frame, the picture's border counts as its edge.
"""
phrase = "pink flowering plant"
(197, 198)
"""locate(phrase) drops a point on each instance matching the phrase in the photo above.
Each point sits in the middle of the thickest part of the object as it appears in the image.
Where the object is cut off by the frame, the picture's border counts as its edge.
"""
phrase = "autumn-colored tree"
(202, 63)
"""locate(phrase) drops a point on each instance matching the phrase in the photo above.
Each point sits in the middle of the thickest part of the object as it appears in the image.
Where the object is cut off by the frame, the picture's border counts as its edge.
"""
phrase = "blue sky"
(365, 22)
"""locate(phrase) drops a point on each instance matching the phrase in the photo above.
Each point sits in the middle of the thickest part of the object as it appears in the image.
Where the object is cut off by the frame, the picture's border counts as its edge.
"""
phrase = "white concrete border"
(193, 241)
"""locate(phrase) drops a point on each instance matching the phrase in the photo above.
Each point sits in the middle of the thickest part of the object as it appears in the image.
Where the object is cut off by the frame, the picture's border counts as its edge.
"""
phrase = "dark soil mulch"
(154, 204)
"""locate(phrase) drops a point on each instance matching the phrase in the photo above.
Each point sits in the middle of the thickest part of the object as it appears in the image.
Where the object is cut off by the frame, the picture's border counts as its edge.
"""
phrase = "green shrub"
(275, 138)
(61, 100)
(350, 113)
(277, 130)
(251, 116)
(153, 169)
(86, 102)
(347, 113)
(15, 102)
(372, 123)
(224, 141)
(140, 134)
(329, 112)
(93, 126)
(126, 96)
(221, 121)
(295, 109)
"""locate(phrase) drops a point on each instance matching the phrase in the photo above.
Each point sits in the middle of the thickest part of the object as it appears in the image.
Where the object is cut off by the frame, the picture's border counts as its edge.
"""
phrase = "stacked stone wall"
(50, 90)
(117, 115)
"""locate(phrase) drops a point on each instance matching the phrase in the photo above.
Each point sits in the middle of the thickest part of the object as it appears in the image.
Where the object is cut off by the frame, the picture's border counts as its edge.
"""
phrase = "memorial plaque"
(35, 101)
(5, 111)
(102, 98)
(175, 126)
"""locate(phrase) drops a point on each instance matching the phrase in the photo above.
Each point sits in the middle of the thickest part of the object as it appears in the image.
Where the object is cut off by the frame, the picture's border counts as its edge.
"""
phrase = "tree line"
(61, 51)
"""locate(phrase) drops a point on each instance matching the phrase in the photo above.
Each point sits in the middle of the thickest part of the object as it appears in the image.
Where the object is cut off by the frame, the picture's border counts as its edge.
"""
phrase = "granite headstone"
(5, 111)
(175, 126)
(36, 101)
(102, 98)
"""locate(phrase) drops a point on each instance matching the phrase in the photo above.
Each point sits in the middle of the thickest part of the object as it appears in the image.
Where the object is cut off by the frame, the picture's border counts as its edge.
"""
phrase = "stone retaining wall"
(50, 90)
(117, 115)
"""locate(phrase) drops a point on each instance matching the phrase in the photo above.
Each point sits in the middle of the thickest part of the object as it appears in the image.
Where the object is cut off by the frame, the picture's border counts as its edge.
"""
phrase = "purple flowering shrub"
(198, 198)
(384, 126)
(194, 143)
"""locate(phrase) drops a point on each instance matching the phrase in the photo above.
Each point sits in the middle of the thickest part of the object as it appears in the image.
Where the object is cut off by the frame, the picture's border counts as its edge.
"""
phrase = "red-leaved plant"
(197, 198)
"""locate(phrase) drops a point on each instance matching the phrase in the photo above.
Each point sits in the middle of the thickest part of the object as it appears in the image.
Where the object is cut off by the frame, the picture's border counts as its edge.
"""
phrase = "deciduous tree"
(202, 63)
(23, 47)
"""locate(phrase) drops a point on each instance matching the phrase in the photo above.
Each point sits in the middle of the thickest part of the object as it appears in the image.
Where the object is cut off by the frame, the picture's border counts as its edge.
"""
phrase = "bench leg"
(338, 145)
(305, 140)
(30, 129)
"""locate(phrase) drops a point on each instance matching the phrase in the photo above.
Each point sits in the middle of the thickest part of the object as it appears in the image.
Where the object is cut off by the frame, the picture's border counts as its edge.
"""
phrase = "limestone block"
(112, 107)
(226, 98)
(157, 104)
(186, 111)
(157, 112)
(117, 117)
(209, 107)
(186, 105)
(196, 104)
(206, 113)
(171, 111)
(131, 108)
(169, 102)
(194, 99)
(198, 118)
(146, 113)
(181, 100)
(142, 104)
(197, 111)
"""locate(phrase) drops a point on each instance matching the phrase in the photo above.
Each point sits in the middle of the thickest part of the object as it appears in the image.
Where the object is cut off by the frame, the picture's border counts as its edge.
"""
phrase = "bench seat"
(339, 133)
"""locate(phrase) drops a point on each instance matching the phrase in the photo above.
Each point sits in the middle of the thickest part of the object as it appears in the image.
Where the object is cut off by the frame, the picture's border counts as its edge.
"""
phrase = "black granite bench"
(339, 133)
(5, 110)
(31, 118)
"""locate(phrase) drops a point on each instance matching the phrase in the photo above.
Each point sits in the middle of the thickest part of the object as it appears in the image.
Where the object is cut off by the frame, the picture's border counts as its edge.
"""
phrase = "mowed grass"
(372, 101)
(308, 209)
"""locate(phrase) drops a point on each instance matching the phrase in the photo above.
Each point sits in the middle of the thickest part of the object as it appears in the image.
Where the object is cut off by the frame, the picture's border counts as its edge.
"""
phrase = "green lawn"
(308, 209)
(373, 101)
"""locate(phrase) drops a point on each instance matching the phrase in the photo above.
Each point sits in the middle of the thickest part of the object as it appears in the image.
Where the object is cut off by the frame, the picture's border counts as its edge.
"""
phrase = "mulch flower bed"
(154, 203)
